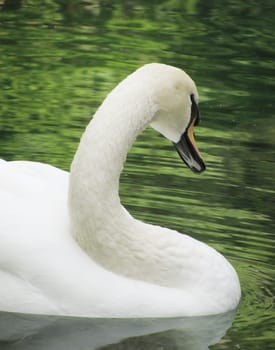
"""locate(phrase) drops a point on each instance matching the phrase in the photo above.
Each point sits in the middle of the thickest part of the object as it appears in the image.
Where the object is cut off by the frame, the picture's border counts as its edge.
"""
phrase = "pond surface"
(59, 59)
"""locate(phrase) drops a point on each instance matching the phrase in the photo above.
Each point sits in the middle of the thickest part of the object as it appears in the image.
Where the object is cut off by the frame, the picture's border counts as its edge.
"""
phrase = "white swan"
(95, 259)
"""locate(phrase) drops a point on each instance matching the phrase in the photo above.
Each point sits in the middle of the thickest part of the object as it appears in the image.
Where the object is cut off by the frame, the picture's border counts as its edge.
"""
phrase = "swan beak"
(188, 149)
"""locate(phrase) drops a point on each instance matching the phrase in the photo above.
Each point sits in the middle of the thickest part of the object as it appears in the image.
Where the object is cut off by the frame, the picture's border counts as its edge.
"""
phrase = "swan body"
(68, 246)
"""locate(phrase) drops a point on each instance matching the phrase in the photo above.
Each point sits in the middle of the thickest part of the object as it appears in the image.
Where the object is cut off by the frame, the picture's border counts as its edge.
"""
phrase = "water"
(25, 332)
(58, 59)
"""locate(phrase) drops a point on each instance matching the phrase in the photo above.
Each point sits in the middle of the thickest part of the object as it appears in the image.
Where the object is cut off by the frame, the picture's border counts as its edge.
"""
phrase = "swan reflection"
(29, 332)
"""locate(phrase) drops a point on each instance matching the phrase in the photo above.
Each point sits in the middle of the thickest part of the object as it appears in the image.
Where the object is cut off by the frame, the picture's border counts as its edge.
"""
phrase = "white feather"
(69, 247)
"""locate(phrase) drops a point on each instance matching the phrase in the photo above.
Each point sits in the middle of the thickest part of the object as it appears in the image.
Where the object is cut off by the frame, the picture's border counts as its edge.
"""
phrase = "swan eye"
(195, 114)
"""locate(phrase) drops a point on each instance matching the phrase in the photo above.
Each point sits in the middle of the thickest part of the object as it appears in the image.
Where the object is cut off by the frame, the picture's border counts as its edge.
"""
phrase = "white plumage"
(68, 247)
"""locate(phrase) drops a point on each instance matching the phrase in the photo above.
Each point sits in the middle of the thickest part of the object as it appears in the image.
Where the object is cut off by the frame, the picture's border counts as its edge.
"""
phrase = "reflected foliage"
(58, 59)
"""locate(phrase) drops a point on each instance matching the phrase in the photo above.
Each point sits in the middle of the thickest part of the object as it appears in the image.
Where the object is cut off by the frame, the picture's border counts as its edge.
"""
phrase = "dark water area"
(59, 59)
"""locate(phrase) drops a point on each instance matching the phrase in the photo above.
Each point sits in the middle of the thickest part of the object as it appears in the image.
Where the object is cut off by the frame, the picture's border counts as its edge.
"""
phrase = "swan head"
(175, 102)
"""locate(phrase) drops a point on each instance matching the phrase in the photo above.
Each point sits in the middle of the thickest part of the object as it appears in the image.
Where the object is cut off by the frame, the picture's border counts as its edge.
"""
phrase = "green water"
(59, 59)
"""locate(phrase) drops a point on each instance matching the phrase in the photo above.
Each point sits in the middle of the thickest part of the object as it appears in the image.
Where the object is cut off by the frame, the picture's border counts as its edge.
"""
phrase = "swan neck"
(97, 165)
(99, 223)
(103, 151)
